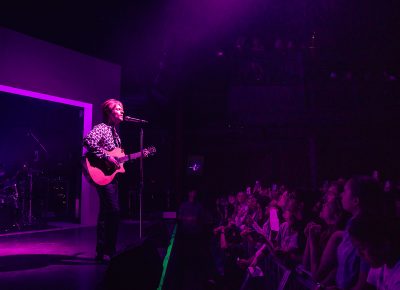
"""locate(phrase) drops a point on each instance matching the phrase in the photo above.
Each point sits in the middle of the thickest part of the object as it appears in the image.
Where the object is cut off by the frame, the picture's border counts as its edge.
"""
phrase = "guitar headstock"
(149, 151)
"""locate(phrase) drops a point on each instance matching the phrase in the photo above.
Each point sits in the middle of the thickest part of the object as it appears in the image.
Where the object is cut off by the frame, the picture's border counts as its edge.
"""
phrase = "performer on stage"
(101, 139)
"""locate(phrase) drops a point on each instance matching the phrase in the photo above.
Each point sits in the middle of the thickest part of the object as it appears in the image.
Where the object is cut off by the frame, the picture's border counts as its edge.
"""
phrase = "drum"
(9, 196)
(8, 206)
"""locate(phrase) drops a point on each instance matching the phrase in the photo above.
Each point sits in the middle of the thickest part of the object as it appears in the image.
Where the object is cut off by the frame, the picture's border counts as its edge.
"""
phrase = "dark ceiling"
(135, 34)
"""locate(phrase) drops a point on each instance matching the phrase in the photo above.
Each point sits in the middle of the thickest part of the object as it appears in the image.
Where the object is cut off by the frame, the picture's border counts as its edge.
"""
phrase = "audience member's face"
(329, 197)
(252, 202)
(287, 215)
(324, 214)
(241, 197)
(327, 213)
(374, 256)
(348, 200)
(331, 193)
(231, 199)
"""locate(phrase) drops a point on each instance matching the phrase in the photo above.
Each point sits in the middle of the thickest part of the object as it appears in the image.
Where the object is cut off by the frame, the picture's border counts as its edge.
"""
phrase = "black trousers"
(108, 219)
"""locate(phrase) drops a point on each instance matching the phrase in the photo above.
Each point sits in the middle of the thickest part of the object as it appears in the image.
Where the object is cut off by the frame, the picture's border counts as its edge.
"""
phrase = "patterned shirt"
(102, 137)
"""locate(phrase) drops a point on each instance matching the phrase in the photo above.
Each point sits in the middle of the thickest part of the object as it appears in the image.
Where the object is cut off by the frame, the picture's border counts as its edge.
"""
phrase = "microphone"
(134, 120)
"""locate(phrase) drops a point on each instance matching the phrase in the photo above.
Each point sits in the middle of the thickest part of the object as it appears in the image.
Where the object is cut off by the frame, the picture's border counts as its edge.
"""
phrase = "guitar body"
(98, 170)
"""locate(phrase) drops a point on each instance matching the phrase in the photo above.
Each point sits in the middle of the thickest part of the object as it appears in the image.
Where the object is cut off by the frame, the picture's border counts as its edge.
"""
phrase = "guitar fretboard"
(129, 157)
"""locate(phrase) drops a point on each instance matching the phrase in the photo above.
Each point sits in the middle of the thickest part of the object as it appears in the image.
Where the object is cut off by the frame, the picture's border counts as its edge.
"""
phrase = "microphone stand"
(136, 120)
(37, 141)
(30, 178)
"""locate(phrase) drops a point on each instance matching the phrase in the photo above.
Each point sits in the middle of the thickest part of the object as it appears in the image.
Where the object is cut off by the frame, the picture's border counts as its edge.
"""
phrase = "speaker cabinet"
(138, 267)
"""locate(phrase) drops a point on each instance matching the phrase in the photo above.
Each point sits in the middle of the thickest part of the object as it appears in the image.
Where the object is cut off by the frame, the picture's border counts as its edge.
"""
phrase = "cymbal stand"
(30, 198)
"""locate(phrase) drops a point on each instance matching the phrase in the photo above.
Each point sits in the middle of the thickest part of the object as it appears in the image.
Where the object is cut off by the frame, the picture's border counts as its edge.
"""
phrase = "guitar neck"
(128, 157)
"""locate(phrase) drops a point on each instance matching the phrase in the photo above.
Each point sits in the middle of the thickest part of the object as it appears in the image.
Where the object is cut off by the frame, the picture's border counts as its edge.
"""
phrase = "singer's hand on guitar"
(112, 162)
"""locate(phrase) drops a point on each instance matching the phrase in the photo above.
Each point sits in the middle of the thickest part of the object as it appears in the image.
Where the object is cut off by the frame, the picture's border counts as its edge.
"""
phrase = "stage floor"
(57, 259)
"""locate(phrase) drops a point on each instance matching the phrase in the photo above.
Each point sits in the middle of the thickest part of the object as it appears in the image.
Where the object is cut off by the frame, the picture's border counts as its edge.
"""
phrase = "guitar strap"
(117, 140)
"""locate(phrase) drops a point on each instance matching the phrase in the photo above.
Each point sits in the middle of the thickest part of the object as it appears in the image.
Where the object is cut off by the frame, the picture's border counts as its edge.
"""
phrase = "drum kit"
(28, 196)
(17, 200)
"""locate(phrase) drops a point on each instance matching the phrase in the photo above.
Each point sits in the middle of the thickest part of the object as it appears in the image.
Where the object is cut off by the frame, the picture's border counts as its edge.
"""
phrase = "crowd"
(345, 236)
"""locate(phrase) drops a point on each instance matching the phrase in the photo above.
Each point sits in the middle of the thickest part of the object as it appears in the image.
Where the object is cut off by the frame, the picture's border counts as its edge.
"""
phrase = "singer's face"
(117, 114)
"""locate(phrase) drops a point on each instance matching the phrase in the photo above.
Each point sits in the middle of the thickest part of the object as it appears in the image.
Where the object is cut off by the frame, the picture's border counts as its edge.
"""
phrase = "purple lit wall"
(34, 68)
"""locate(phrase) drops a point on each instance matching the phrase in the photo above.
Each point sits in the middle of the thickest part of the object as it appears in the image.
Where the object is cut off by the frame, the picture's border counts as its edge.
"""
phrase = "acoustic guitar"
(102, 174)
